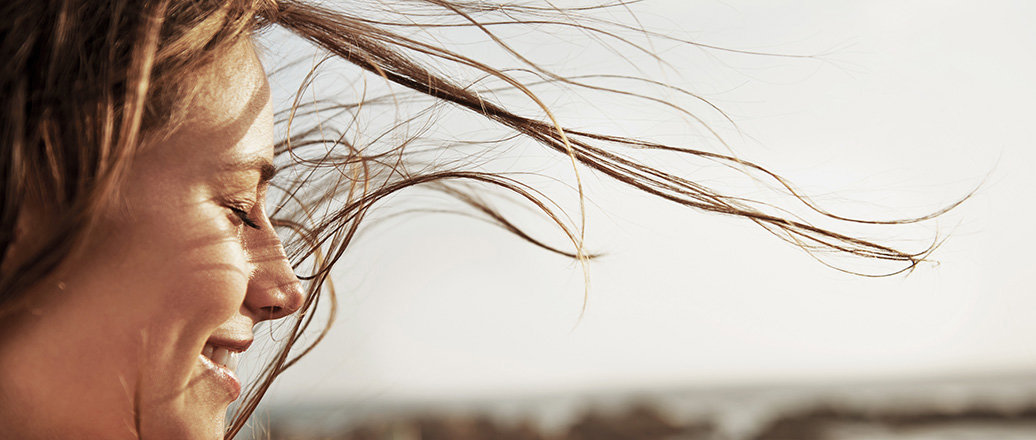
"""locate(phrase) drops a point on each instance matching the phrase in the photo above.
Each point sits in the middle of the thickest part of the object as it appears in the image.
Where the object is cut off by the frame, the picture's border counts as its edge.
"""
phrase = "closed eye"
(245, 217)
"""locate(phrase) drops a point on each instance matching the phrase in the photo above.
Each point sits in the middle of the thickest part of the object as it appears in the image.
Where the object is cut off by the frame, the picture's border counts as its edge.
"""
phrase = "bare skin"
(112, 342)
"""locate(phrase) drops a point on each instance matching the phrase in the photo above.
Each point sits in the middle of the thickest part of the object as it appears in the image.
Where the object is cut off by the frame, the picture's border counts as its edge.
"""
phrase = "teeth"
(232, 360)
(220, 355)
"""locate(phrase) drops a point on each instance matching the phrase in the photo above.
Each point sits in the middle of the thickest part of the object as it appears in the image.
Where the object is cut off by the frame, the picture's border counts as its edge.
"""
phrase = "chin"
(197, 411)
(195, 422)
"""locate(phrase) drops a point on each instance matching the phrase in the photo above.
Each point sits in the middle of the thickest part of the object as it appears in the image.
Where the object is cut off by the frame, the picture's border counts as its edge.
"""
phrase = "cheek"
(189, 274)
(207, 284)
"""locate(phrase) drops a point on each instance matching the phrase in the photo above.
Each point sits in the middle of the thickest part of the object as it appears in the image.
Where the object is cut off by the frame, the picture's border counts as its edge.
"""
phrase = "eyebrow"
(261, 164)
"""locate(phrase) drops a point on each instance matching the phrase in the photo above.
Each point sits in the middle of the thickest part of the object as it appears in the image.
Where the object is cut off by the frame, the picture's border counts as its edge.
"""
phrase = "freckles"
(215, 294)
(215, 278)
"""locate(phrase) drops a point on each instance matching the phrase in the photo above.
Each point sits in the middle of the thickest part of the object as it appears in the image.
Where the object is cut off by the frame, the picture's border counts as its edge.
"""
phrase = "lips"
(220, 359)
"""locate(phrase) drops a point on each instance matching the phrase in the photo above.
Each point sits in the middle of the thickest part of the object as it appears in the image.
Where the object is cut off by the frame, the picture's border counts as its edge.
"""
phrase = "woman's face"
(131, 332)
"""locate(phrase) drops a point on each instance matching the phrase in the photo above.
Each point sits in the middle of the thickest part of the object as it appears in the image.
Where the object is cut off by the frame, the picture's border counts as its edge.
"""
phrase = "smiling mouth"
(222, 356)
(219, 363)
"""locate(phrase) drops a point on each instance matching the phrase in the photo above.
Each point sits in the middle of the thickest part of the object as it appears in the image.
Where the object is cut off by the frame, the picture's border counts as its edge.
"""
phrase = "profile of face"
(141, 329)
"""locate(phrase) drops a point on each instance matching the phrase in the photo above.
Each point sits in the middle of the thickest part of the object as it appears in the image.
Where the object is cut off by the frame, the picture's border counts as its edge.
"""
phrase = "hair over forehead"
(194, 36)
(224, 90)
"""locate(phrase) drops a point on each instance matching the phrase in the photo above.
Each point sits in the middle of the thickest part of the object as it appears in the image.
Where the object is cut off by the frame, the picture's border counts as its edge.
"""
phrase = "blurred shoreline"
(1000, 406)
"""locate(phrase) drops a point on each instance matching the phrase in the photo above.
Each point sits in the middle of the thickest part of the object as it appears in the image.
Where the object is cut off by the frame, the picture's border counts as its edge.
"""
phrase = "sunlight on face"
(141, 328)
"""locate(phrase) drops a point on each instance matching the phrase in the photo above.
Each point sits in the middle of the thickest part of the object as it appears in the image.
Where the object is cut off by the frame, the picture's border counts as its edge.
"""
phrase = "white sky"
(916, 104)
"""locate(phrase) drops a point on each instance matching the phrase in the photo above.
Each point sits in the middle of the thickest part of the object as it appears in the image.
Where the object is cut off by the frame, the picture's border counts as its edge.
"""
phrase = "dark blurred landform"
(994, 408)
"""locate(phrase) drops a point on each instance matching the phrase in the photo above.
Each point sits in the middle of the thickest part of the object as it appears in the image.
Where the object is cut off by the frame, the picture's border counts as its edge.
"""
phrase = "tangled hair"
(86, 81)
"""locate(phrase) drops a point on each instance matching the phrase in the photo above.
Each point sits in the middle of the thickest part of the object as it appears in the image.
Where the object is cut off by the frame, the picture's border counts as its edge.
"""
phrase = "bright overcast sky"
(914, 104)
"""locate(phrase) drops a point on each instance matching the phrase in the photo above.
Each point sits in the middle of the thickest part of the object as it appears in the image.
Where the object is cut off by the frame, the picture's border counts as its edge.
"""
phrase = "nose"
(273, 289)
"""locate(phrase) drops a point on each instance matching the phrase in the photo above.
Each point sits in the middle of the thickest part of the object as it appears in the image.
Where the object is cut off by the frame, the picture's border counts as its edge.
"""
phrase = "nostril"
(273, 312)
(274, 291)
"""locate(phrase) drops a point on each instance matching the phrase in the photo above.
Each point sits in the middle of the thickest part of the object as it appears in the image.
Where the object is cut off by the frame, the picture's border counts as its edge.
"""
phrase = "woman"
(137, 248)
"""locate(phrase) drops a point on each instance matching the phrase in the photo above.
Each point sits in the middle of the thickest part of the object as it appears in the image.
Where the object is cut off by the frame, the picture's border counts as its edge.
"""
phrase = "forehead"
(232, 92)
(228, 119)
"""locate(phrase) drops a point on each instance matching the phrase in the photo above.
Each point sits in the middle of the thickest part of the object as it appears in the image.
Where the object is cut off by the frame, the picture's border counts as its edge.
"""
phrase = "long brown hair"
(85, 80)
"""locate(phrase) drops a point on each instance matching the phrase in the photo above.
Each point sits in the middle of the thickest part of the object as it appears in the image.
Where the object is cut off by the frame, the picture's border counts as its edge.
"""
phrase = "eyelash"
(245, 218)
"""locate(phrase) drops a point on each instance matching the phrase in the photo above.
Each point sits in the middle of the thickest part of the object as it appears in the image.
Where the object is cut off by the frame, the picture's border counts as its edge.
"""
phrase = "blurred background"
(700, 326)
